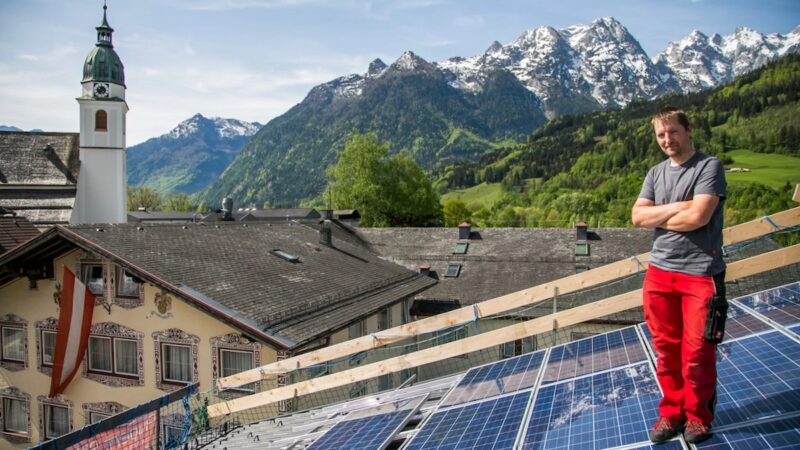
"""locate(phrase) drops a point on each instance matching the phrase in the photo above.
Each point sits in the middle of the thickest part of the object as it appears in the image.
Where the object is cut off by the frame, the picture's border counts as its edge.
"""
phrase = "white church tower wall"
(102, 182)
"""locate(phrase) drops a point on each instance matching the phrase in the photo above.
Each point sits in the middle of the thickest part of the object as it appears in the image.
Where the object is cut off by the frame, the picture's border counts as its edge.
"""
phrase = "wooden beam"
(760, 227)
(736, 270)
(796, 196)
(526, 297)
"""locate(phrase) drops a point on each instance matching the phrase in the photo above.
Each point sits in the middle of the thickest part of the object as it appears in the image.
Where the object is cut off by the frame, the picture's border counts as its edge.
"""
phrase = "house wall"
(18, 302)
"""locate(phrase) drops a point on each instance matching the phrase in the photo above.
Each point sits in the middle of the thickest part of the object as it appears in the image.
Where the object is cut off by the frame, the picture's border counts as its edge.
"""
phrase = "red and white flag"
(74, 320)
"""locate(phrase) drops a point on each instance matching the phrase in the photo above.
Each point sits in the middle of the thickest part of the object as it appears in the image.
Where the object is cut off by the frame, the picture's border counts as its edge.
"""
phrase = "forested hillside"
(590, 167)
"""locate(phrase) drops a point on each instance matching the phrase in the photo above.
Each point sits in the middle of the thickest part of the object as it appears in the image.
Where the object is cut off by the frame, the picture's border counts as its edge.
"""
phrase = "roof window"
(285, 255)
(453, 270)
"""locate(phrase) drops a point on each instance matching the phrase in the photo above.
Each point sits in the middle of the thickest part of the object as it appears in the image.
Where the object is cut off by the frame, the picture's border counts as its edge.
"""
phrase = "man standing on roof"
(682, 200)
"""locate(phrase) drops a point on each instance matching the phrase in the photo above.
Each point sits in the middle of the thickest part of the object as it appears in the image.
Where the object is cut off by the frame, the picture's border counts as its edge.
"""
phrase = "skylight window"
(453, 270)
(582, 249)
(285, 255)
(461, 248)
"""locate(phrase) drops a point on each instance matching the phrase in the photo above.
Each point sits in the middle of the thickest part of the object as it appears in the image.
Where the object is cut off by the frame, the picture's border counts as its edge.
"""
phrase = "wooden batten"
(601, 308)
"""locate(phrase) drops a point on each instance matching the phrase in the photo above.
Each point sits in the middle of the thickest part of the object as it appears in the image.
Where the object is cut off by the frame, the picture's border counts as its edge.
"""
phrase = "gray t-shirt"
(697, 252)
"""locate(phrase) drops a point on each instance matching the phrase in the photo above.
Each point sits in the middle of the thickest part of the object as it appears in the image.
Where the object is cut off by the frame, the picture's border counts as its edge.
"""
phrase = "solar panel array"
(601, 392)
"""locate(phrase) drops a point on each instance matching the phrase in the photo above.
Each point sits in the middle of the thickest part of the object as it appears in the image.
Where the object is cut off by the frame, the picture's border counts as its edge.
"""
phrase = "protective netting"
(165, 422)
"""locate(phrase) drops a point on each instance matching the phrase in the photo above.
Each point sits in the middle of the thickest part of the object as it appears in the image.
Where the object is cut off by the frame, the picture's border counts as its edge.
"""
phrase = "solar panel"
(780, 304)
(603, 410)
(369, 428)
(757, 377)
(493, 423)
(498, 378)
(776, 434)
(741, 323)
(601, 352)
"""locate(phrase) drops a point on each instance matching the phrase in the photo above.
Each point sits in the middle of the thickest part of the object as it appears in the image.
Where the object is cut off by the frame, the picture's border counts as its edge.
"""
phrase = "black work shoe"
(664, 430)
(696, 432)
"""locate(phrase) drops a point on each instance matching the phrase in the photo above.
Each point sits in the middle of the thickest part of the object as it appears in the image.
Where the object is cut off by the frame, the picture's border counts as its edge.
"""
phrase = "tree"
(455, 212)
(143, 197)
(177, 202)
(386, 190)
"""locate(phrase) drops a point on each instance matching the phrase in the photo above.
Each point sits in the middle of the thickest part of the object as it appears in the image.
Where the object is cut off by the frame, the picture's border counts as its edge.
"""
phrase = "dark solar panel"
(603, 410)
(370, 428)
(777, 434)
(741, 323)
(780, 304)
(758, 377)
(605, 351)
(489, 424)
(495, 379)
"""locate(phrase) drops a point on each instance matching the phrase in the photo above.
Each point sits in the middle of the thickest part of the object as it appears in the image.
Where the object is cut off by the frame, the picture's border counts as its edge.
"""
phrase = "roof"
(39, 175)
(231, 269)
(279, 214)
(162, 216)
(499, 261)
(14, 230)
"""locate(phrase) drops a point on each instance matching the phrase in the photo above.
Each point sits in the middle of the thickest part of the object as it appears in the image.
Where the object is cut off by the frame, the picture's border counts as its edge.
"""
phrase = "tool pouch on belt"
(717, 312)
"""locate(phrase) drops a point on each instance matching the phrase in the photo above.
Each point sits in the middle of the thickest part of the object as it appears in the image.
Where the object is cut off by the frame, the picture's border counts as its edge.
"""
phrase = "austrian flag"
(72, 337)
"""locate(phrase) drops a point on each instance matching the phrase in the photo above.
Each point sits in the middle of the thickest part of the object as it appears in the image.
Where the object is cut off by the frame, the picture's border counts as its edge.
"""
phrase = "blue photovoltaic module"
(594, 354)
(757, 377)
(370, 428)
(488, 424)
(602, 410)
(780, 304)
(503, 377)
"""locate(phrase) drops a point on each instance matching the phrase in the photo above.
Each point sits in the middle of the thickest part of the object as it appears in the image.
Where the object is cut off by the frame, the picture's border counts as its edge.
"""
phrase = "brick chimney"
(581, 230)
(464, 230)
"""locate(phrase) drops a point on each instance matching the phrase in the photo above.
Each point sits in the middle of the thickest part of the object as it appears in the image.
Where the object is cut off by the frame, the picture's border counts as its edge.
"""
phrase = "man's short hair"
(669, 113)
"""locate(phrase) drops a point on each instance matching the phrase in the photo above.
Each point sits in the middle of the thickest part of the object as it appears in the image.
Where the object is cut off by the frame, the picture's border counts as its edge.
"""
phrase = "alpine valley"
(462, 108)
(190, 157)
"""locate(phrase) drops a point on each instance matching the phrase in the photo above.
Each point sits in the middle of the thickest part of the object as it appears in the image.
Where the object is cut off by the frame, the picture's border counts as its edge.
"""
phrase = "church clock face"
(101, 90)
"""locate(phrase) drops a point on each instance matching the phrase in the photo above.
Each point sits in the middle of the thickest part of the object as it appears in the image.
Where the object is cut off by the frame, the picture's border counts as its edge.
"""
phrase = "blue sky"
(255, 59)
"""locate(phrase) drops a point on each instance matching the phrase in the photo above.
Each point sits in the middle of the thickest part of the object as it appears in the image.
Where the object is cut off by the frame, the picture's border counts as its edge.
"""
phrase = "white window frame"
(48, 408)
(110, 357)
(95, 417)
(6, 414)
(44, 347)
(119, 283)
(16, 328)
(164, 378)
(514, 345)
(117, 371)
(86, 269)
(247, 387)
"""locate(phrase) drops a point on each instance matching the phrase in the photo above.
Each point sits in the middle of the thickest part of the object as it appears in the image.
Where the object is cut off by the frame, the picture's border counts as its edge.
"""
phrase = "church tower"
(103, 181)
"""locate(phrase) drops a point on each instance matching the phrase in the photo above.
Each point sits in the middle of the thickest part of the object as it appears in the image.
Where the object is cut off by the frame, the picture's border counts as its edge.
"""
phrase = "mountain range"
(191, 156)
(462, 108)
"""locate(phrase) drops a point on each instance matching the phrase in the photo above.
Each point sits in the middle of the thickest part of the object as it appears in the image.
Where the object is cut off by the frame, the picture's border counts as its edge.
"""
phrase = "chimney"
(327, 214)
(325, 234)
(227, 209)
(424, 269)
(464, 230)
(581, 229)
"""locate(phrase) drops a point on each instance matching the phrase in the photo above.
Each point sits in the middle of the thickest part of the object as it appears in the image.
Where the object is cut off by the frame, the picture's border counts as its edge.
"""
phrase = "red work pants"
(675, 309)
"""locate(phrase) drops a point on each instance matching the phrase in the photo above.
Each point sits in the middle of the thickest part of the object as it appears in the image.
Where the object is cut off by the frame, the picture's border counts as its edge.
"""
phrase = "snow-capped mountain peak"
(225, 128)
